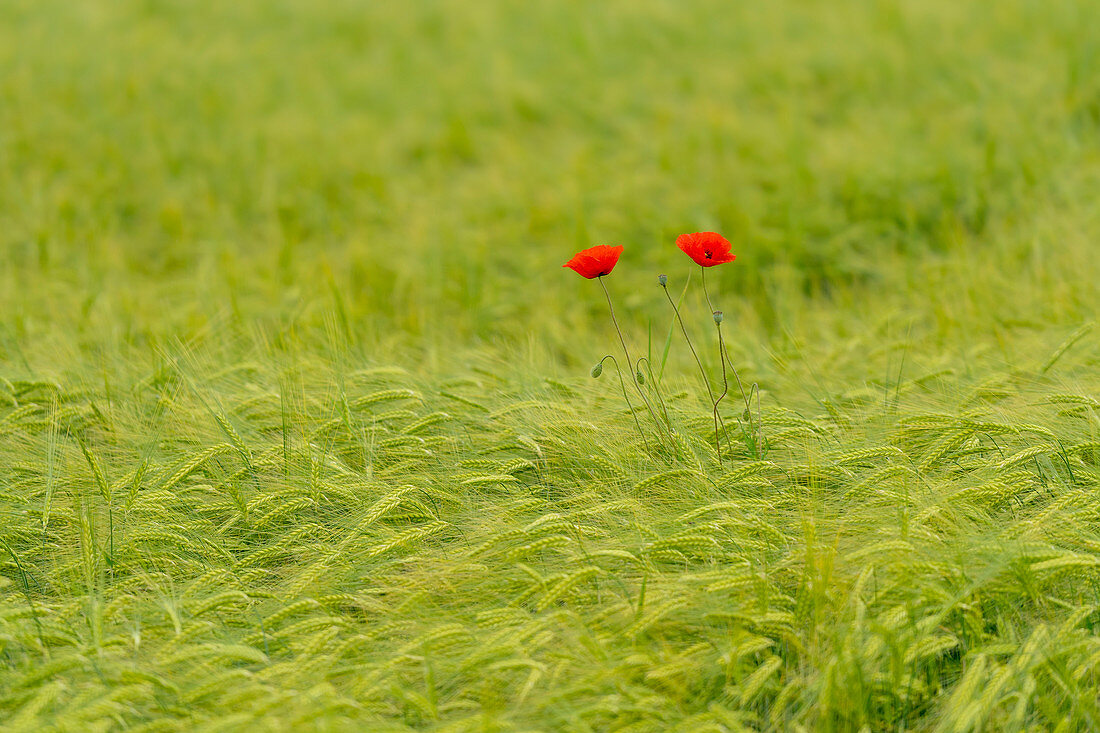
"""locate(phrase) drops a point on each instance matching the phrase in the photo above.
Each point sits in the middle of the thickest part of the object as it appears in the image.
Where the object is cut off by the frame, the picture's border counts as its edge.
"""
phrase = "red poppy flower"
(706, 248)
(595, 261)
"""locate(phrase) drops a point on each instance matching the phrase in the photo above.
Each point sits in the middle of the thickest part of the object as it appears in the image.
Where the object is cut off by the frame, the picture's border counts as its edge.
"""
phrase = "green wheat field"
(297, 427)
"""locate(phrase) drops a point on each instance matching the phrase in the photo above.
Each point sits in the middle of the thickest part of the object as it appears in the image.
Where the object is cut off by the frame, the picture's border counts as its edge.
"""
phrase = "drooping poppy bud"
(640, 377)
(597, 370)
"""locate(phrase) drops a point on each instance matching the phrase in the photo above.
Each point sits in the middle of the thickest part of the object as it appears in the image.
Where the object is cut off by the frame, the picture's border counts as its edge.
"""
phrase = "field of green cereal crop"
(297, 427)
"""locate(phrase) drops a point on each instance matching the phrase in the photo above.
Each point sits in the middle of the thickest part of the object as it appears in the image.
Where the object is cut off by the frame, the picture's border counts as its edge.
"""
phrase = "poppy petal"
(706, 249)
(595, 261)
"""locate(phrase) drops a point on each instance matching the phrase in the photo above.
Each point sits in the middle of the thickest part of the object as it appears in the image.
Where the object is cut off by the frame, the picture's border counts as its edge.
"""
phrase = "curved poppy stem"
(724, 357)
(725, 390)
(698, 362)
(721, 351)
(656, 387)
(756, 430)
(626, 351)
(630, 407)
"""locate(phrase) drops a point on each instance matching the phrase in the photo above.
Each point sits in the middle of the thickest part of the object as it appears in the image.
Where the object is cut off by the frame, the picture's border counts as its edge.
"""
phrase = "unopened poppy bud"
(640, 377)
(717, 316)
(597, 370)
(663, 280)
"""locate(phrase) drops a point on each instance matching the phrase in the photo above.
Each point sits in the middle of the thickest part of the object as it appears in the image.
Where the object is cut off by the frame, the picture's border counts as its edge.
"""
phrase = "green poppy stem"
(723, 356)
(656, 387)
(699, 363)
(626, 397)
(629, 360)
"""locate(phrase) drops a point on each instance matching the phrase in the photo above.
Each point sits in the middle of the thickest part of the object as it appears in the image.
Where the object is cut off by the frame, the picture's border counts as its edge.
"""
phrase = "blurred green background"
(172, 168)
(296, 427)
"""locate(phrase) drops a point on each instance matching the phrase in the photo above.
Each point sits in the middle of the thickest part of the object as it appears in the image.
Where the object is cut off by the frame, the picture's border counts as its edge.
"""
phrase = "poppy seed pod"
(662, 280)
(717, 316)
(597, 370)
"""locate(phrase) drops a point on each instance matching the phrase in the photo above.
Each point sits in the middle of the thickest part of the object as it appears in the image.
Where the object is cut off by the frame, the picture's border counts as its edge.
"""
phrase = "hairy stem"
(725, 390)
(626, 351)
(626, 397)
(698, 361)
(656, 387)
(721, 358)
(724, 356)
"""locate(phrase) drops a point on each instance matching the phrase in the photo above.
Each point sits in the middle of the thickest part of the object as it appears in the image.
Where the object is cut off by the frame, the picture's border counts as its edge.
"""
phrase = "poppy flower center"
(707, 252)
